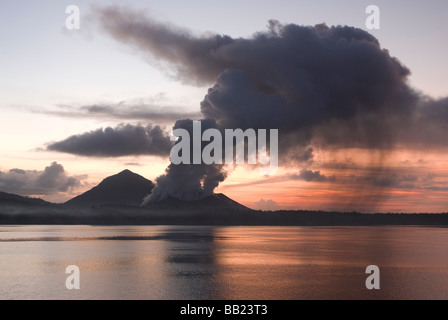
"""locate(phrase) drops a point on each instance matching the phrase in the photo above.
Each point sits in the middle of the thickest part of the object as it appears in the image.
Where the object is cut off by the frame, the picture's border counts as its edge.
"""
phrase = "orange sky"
(407, 182)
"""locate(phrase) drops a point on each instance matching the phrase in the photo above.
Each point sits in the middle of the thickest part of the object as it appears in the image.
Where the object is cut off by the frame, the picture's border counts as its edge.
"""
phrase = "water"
(178, 262)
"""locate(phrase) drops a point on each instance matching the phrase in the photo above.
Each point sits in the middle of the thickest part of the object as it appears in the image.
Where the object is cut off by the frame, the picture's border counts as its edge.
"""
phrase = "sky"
(57, 83)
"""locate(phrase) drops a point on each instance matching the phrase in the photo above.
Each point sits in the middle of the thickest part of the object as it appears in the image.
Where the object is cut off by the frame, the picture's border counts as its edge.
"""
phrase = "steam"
(188, 181)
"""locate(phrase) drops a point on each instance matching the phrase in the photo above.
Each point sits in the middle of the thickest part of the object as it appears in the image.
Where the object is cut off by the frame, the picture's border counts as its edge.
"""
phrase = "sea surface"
(250, 263)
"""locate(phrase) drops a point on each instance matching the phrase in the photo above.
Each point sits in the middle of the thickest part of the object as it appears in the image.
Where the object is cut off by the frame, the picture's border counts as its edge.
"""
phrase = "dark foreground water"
(177, 262)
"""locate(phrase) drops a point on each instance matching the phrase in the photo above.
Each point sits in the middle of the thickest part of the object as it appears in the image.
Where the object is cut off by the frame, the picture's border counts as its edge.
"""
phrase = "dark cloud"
(125, 139)
(321, 87)
(402, 180)
(395, 180)
(310, 175)
(304, 175)
(133, 164)
(191, 59)
(53, 179)
(143, 112)
(123, 111)
(340, 165)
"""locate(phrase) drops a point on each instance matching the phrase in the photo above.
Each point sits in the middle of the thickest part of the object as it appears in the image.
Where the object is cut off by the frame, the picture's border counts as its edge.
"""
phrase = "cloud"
(311, 176)
(123, 140)
(53, 179)
(269, 205)
(123, 111)
(134, 164)
(402, 180)
(142, 112)
(190, 59)
(396, 180)
(304, 175)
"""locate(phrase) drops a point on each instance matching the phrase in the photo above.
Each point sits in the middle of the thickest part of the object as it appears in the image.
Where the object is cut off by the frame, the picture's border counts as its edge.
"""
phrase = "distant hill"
(126, 188)
(9, 199)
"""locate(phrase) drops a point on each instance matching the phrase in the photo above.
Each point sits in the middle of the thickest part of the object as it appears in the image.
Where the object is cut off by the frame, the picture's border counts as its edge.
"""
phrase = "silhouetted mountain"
(126, 188)
(9, 199)
(211, 203)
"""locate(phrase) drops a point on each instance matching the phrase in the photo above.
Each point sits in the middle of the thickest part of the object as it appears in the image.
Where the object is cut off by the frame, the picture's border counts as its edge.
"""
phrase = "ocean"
(221, 263)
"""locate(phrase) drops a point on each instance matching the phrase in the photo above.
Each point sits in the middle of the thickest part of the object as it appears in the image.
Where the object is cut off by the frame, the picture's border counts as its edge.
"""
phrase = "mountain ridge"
(10, 198)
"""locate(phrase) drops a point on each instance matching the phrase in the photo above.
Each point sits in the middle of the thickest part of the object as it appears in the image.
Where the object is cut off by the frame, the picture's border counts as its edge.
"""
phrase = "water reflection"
(168, 262)
(191, 262)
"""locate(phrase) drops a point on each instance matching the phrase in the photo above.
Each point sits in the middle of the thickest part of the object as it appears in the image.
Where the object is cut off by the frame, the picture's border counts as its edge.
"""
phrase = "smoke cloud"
(188, 181)
(321, 87)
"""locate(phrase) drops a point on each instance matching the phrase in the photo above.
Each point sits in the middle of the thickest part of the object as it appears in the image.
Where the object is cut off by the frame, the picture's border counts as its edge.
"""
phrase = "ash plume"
(321, 87)
(188, 181)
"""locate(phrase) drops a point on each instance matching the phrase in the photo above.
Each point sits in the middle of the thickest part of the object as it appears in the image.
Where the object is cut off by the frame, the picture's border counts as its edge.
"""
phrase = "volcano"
(211, 203)
(125, 188)
(129, 189)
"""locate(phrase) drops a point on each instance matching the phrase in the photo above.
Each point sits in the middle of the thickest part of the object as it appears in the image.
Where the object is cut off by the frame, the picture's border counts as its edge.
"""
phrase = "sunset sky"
(57, 83)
